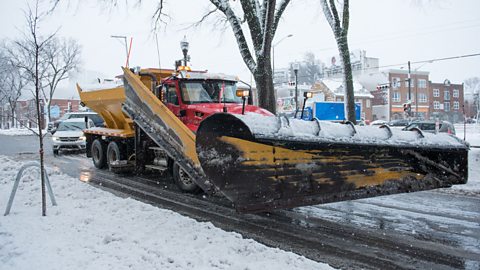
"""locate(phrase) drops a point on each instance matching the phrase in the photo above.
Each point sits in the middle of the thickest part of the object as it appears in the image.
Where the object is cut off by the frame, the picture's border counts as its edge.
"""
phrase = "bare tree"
(262, 18)
(62, 56)
(27, 54)
(312, 68)
(12, 84)
(3, 96)
(472, 94)
(339, 24)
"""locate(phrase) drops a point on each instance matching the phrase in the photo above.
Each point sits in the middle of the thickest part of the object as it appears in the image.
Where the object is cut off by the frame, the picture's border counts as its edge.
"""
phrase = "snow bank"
(472, 187)
(16, 132)
(472, 132)
(93, 229)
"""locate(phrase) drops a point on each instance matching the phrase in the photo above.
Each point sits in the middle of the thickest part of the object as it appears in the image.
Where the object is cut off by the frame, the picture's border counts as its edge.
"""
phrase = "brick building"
(446, 101)
(388, 103)
(399, 93)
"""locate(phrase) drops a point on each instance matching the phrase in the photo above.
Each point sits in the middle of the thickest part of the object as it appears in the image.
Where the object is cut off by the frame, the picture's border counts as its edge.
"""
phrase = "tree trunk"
(264, 82)
(349, 99)
(40, 135)
(13, 116)
(48, 112)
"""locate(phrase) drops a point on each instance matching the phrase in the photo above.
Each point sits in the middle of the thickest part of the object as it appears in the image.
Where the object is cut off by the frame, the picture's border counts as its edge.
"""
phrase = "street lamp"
(273, 54)
(296, 66)
(126, 47)
(184, 46)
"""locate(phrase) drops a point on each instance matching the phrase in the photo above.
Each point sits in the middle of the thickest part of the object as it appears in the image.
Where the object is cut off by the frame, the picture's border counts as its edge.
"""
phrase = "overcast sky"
(395, 31)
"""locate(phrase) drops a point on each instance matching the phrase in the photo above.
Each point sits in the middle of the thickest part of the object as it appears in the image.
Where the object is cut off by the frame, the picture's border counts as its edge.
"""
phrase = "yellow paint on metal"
(274, 158)
(108, 104)
(257, 154)
(123, 133)
(172, 121)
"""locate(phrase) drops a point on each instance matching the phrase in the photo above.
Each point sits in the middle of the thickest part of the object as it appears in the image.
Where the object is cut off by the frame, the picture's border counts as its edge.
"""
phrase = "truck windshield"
(209, 91)
(69, 126)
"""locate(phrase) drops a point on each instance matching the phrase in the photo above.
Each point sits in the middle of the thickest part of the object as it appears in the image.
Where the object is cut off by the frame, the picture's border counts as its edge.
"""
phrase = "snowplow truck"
(199, 127)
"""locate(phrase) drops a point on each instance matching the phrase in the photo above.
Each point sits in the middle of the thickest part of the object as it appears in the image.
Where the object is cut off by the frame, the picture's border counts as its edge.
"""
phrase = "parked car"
(378, 123)
(399, 123)
(97, 119)
(429, 126)
(69, 135)
(471, 121)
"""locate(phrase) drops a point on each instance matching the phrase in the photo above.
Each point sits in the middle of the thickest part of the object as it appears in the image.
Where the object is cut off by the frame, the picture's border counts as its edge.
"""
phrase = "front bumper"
(72, 146)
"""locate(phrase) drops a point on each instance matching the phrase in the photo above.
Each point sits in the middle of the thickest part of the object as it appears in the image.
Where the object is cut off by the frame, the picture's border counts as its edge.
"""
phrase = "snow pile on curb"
(472, 131)
(93, 229)
(472, 187)
(16, 132)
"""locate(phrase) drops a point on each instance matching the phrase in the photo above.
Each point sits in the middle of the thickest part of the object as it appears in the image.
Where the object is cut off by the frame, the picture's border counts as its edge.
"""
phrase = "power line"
(411, 62)
(426, 61)
(402, 35)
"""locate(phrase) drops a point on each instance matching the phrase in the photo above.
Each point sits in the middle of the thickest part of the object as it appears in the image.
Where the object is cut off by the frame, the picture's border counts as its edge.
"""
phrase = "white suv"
(69, 135)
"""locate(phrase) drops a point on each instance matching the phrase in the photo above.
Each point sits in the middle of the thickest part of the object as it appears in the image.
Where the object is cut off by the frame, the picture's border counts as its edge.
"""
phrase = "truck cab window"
(171, 94)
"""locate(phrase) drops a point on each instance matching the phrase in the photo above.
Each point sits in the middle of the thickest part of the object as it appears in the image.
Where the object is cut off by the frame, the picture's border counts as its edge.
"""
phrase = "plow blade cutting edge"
(262, 163)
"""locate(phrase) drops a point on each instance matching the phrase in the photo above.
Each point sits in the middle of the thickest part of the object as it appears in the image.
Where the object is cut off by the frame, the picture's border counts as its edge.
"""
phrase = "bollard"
(17, 182)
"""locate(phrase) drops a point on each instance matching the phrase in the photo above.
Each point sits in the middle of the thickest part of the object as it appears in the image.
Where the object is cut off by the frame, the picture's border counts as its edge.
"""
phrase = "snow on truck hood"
(281, 128)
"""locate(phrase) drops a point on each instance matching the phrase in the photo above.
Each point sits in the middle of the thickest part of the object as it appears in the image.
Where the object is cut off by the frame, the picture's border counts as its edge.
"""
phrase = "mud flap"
(259, 173)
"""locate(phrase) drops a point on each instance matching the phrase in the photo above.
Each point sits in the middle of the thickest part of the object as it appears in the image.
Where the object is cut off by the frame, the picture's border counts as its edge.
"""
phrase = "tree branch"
(225, 8)
(250, 12)
(269, 22)
(346, 17)
(281, 8)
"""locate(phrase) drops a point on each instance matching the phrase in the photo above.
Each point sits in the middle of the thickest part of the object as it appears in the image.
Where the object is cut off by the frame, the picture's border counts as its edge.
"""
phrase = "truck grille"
(68, 139)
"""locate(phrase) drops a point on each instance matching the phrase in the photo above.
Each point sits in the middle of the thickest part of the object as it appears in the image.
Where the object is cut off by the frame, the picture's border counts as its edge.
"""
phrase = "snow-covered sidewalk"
(93, 229)
(17, 132)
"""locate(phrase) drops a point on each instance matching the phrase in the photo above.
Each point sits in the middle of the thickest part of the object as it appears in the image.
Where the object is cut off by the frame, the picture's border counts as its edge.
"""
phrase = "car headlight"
(82, 138)
(55, 138)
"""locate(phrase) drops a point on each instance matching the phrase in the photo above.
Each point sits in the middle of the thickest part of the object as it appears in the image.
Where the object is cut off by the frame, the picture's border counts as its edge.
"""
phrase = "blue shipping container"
(333, 111)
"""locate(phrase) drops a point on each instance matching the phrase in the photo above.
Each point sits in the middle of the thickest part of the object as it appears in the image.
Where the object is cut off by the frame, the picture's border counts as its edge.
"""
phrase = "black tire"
(113, 154)
(55, 152)
(183, 180)
(99, 156)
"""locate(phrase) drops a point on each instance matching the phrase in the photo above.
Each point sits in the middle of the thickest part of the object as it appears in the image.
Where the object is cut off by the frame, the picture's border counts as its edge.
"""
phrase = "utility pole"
(409, 89)
(273, 54)
(295, 70)
(416, 94)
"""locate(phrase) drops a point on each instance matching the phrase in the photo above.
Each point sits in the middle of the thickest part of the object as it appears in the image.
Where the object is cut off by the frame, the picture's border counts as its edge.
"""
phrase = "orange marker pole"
(129, 50)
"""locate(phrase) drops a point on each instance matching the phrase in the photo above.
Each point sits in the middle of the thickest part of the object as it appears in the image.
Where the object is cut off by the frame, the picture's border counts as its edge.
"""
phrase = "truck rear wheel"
(113, 154)
(183, 181)
(99, 154)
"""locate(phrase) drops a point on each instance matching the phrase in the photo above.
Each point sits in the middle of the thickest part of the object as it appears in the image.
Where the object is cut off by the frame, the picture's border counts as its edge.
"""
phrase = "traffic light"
(382, 86)
(291, 83)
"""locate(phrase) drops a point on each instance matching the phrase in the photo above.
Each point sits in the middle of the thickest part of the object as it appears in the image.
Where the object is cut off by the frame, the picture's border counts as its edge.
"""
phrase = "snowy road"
(443, 224)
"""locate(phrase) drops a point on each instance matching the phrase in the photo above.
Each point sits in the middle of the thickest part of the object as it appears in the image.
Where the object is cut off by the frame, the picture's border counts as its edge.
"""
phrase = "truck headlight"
(55, 138)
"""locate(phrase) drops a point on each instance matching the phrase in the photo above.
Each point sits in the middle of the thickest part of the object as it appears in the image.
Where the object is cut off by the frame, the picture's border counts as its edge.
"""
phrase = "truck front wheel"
(183, 181)
(99, 154)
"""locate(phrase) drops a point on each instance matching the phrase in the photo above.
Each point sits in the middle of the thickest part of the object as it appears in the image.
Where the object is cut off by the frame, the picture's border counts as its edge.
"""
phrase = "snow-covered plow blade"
(263, 163)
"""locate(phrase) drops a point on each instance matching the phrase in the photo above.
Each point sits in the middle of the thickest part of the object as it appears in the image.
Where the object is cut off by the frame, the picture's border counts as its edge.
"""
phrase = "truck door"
(171, 98)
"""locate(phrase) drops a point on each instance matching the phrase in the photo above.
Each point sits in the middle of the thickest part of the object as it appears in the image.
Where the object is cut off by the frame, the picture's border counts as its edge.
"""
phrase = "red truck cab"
(193, 96)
